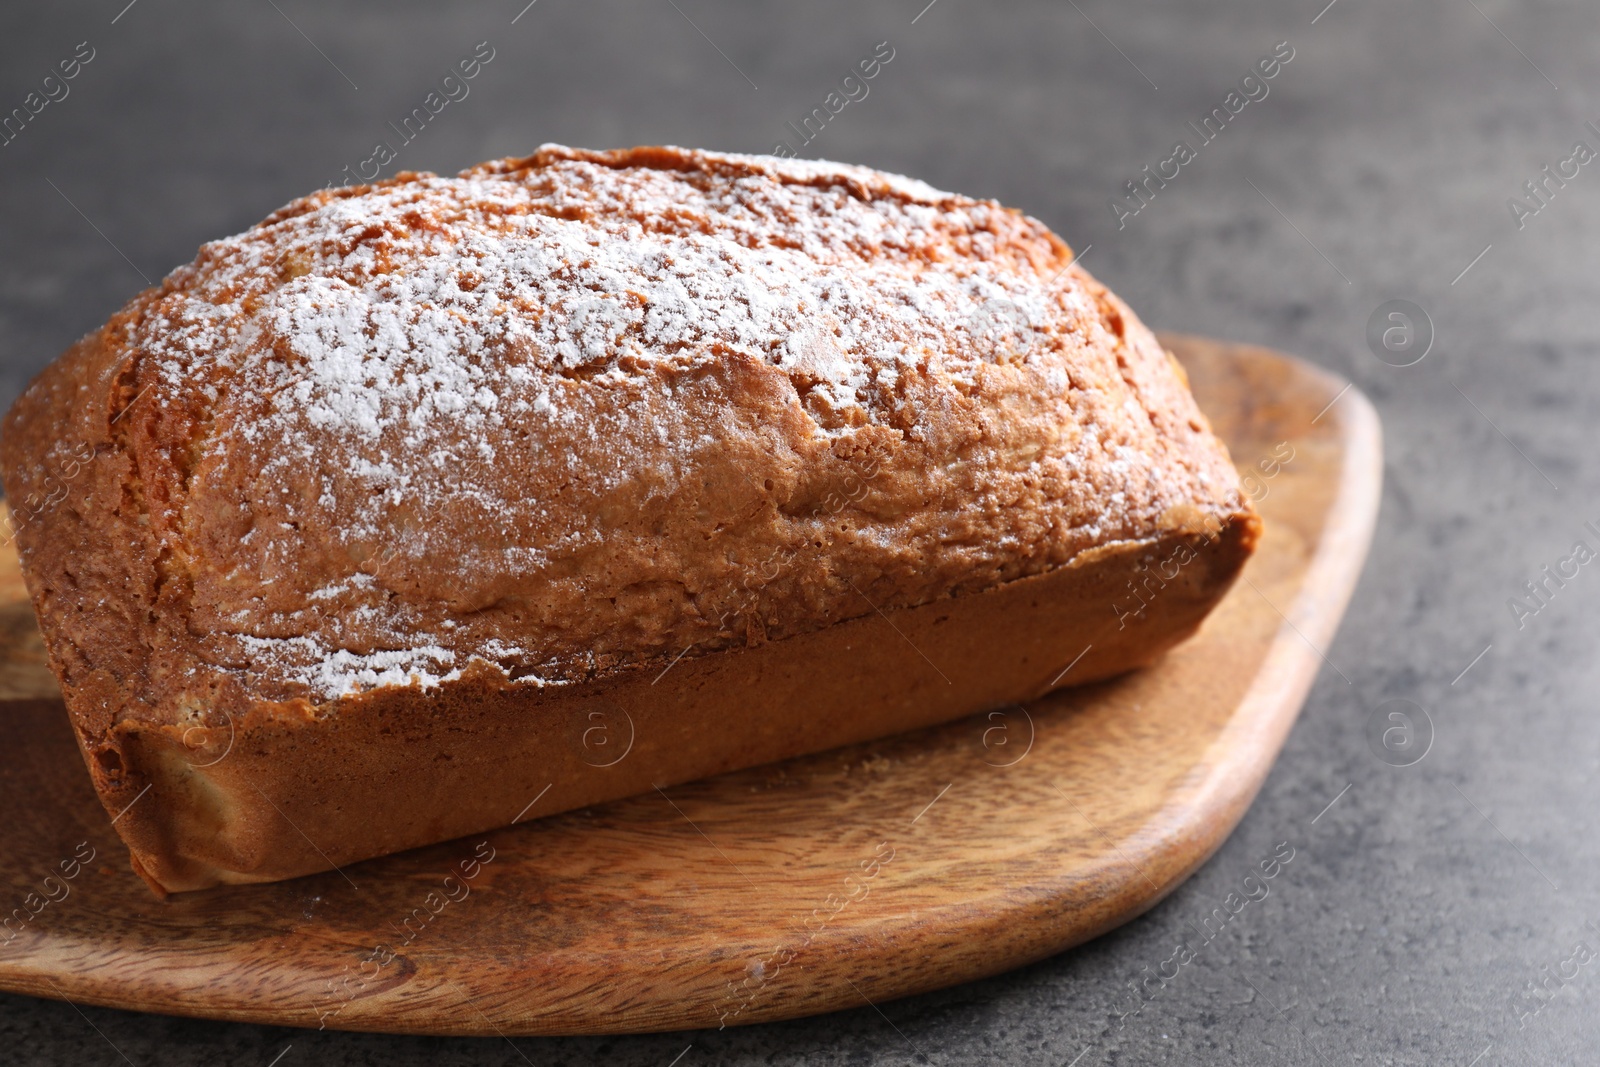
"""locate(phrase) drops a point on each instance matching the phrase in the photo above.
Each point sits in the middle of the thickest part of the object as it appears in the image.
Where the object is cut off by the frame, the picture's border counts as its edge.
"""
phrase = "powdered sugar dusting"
(395, 347)
(340, 672)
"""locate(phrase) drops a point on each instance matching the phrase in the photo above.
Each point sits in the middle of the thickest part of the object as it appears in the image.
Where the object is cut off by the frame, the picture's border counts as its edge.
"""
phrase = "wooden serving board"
(822, 883)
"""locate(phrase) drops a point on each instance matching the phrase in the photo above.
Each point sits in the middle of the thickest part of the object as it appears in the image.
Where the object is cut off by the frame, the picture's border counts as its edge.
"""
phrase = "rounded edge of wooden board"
(1239, 766)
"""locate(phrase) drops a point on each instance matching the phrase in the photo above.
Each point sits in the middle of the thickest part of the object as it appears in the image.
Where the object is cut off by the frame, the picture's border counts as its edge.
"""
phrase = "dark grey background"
(1418, 907)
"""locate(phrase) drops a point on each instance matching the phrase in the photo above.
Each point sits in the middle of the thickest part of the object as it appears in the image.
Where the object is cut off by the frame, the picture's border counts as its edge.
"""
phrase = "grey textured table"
(1427, 901)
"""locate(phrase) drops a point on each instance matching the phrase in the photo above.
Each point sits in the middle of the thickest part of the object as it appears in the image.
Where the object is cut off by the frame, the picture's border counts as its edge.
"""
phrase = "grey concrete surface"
(1424, 902)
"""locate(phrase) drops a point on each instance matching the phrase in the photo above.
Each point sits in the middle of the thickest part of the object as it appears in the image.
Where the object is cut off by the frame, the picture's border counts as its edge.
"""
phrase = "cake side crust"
(278, 792)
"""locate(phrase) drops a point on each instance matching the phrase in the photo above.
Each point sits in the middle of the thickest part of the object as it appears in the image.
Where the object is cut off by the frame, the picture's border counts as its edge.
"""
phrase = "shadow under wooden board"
(822, 883)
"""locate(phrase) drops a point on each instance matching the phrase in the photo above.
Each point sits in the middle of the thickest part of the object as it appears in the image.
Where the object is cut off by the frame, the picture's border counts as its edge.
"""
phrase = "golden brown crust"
(556, 421)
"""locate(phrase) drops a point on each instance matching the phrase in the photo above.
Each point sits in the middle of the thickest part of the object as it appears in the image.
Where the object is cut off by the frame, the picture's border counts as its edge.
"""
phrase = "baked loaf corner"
(436, 461)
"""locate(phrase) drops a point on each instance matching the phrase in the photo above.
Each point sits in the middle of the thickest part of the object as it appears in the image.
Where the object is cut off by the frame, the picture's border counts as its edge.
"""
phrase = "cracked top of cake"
(587, 410)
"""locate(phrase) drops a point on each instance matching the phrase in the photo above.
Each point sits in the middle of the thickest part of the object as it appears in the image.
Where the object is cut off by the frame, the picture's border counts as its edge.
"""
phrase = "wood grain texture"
(863, 874)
